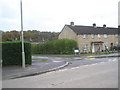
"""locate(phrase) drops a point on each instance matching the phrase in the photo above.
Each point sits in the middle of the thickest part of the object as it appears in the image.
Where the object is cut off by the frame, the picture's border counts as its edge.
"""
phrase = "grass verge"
(66, 55)
(40, 59)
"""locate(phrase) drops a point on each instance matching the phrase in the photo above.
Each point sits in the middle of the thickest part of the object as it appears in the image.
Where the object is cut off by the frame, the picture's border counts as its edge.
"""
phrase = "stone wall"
(67, 33)
(82, 41)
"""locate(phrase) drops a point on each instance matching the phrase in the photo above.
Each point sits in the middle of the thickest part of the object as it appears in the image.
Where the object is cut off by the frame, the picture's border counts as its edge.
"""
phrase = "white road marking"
(62, 70)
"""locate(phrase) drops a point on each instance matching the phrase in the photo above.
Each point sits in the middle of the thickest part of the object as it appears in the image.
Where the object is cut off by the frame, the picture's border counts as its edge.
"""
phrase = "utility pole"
(22, 38)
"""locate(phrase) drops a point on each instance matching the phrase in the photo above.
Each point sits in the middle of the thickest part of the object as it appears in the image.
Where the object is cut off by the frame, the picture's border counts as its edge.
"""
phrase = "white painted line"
(75, 67)
(94, 64)
(102, 62)
(62, 70)
(86, 65)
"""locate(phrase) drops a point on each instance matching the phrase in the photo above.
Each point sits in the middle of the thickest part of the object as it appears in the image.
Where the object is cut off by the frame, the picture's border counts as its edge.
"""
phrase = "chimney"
(94, 25)
(104, 25)
(72, 23)
(118, 30)
(119, 27)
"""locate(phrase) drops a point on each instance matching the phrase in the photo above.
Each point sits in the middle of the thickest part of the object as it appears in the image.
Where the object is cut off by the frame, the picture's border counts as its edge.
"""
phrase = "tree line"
(30, 35)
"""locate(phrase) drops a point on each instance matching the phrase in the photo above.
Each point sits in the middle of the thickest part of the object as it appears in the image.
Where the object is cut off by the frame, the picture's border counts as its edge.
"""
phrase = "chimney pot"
(104, 25)
(94, 25)
(118, 26)
(72, 23)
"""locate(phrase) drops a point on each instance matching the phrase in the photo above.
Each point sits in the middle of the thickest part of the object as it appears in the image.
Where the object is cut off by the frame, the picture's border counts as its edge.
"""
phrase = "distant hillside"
(30, 35)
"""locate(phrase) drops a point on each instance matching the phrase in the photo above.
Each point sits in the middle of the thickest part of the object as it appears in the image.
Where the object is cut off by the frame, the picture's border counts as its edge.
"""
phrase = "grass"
(59, 55)
(65, 55)
(40, 59)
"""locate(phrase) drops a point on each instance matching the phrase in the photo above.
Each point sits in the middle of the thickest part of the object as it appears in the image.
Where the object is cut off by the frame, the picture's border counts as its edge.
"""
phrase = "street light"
(22, 38)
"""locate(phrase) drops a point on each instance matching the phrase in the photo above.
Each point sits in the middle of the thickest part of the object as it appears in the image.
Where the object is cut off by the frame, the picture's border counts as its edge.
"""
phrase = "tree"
(30, 35)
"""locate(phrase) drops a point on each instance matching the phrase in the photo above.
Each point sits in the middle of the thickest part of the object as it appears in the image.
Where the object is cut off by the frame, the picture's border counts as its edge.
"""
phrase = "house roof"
(93, 30)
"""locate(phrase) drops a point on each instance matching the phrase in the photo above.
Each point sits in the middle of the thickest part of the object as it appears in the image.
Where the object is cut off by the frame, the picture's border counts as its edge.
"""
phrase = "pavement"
(40, 67)
(104, 55)
(37, 67)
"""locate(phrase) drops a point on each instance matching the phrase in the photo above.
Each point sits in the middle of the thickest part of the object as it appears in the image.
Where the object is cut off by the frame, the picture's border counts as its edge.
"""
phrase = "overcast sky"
(52, 15)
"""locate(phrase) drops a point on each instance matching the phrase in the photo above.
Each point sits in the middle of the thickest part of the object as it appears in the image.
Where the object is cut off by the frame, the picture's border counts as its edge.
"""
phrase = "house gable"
(67, 33)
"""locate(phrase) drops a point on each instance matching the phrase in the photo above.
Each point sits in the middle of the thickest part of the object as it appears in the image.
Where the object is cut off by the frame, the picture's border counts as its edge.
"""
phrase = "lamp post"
(22, 38)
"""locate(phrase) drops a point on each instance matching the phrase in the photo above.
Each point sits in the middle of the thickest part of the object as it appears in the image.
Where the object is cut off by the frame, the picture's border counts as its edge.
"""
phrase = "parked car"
(116, 47)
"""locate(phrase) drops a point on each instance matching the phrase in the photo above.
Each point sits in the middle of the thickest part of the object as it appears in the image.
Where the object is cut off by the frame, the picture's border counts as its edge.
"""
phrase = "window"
(84, 36)
(105, 36)
(116, 43)
(92, 35)
(116, 35)
(86, 47)
(98, 35)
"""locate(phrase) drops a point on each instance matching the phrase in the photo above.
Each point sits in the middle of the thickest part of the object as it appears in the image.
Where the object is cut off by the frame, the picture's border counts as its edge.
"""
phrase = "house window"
(86, 47)
(98, 35)
(116, 35)
(116, 43)
(84, 36)
(105, 36)
(92, 35)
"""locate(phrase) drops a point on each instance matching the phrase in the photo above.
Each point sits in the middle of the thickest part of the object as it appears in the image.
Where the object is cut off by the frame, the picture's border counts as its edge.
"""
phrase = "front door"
(97, 47)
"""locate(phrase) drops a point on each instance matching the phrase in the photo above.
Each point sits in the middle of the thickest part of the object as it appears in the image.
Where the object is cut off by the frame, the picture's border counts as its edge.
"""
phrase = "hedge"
(12, 53)
(61, 46)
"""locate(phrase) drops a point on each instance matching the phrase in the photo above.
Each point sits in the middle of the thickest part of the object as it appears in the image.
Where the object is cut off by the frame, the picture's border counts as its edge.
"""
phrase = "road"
(78, 61)
(96, 75)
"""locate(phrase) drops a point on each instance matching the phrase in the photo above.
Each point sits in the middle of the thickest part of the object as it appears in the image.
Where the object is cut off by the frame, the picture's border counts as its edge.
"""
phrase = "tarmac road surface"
(99, 75)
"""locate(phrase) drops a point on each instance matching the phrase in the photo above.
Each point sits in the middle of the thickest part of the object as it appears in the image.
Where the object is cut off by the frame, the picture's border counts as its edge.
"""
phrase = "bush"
(62, 46)
(12, 53)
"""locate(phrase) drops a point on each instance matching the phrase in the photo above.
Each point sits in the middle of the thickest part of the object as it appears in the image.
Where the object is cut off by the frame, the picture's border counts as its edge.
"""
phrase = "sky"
(52, 15)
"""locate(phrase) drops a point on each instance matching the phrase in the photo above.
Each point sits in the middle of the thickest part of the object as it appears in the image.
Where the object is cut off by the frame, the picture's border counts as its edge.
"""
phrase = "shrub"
(61, 46)
(12, 53)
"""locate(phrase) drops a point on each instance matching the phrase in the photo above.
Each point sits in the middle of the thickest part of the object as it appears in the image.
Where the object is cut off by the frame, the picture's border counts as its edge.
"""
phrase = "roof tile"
(91, 30)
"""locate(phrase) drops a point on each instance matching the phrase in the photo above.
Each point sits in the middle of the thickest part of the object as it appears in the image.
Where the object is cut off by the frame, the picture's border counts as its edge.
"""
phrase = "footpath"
(37, 67)
(40, 67)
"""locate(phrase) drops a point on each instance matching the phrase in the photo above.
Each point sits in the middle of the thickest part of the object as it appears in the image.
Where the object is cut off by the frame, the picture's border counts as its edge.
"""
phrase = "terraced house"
(91, 38)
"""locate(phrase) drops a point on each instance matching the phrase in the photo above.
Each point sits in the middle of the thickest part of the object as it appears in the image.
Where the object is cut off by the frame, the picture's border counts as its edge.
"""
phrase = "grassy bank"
(40, 59)
(65, 55)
